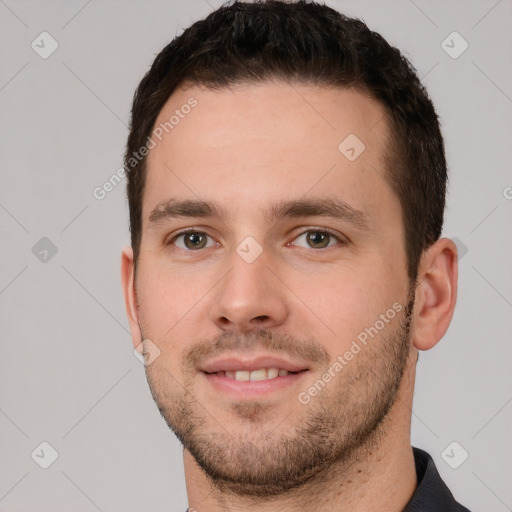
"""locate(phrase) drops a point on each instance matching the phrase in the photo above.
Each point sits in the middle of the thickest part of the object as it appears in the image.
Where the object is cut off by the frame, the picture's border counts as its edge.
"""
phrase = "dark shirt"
(431, 495)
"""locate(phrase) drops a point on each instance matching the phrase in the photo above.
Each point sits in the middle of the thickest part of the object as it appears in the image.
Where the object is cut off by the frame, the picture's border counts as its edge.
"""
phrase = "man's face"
(266, 287)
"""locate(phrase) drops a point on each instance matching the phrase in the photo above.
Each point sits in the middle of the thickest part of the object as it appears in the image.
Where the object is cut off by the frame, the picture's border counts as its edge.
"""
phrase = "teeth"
(261, 374)
(242, 375)
(272, 373)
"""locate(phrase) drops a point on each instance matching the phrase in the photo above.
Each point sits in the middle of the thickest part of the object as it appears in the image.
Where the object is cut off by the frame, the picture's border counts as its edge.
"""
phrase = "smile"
(260, 374)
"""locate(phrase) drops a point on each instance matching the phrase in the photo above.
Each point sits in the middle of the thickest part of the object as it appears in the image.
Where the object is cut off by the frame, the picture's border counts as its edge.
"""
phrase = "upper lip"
(250, 363)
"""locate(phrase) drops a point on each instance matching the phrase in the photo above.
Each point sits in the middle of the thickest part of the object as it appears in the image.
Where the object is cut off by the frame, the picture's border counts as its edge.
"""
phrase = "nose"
(250, 296)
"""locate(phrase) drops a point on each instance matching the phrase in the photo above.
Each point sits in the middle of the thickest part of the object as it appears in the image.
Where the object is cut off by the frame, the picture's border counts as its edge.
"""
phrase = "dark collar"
(432, 494)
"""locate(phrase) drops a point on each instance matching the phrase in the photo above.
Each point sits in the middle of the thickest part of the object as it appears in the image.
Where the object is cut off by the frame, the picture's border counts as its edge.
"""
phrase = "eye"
(318, 239)
(191, 240)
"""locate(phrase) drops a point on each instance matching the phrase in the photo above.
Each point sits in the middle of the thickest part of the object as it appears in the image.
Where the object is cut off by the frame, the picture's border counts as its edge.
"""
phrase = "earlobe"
(129, 293)
(436, 293)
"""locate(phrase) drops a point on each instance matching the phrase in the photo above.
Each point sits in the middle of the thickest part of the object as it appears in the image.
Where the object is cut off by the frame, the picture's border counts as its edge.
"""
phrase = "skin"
(247, 147)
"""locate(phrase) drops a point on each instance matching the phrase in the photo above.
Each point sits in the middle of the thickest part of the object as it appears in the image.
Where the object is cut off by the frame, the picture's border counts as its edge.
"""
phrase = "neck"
(379, 476)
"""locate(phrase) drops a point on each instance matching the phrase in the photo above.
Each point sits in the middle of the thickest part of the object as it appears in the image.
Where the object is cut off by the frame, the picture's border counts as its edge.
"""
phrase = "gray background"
(68, 375)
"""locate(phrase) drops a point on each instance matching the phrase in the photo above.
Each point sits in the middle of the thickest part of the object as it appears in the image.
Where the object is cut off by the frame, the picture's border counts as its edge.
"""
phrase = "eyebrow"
(278, 210)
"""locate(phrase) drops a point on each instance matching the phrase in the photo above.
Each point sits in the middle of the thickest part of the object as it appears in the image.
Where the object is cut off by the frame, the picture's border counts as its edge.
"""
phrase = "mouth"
(252, 378)
(254, 375)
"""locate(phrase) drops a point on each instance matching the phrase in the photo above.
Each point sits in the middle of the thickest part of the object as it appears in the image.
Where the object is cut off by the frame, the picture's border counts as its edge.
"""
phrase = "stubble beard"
(338, 427)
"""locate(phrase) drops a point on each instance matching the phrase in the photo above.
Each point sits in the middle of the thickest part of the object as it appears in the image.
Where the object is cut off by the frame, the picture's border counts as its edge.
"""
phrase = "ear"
(436, 293)
(130, 295)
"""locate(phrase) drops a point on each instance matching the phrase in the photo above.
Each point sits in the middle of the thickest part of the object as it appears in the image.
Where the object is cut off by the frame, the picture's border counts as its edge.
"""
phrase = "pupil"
(194, 240)
(318, 238)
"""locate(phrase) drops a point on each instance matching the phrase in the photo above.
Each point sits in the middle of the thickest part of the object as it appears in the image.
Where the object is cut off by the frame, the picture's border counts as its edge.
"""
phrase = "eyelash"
(309, 230)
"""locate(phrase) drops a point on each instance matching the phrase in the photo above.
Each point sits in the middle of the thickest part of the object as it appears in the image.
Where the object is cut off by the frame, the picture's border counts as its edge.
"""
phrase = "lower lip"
(253, 388)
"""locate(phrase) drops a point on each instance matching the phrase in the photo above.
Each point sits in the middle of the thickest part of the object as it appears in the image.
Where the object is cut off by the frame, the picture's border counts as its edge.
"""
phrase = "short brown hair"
(251, 42)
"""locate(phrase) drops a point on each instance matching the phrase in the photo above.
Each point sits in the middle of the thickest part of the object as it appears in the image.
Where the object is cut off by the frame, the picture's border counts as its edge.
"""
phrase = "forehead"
(256, 142)
(298, 113)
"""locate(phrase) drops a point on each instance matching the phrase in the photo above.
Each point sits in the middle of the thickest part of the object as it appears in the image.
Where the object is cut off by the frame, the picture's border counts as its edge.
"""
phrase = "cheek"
(165, 299)
(164, 308)
(340, 305)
